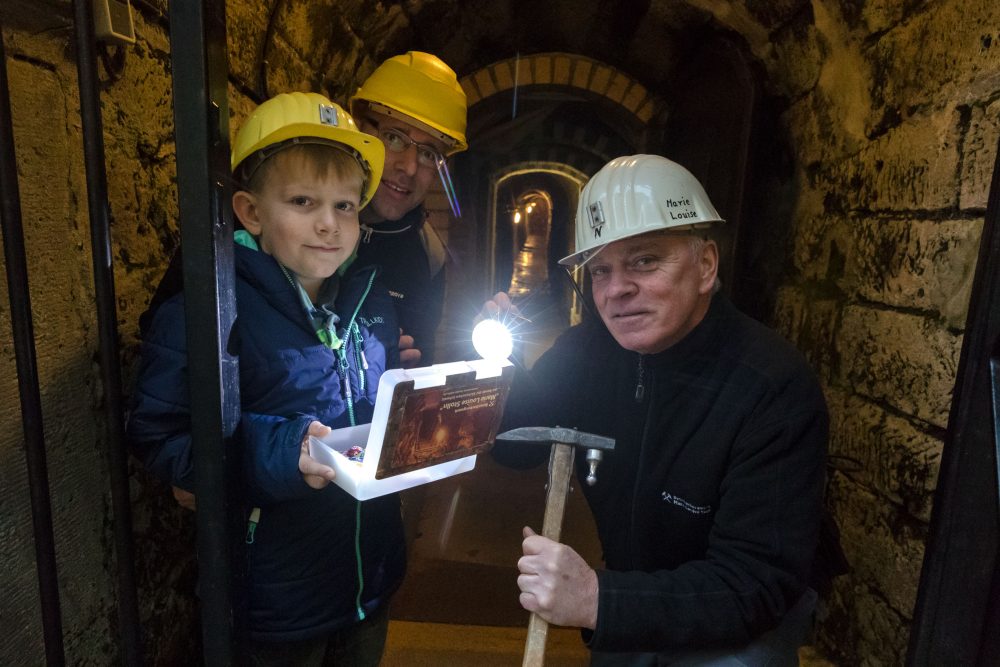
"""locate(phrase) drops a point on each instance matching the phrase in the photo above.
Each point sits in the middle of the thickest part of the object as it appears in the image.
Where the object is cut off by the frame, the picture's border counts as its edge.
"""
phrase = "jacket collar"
(704, 336)
(413, 219)
(262, 272)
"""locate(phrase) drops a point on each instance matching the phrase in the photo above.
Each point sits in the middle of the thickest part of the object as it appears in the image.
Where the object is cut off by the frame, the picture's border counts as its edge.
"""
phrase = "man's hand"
(497, 307)
(313, 472)
(185, 499)
(409, 355)
(500, 308)
(556, 583)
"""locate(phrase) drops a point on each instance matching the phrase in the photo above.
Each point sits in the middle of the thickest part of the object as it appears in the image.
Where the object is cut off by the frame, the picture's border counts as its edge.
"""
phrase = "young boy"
(311, 348)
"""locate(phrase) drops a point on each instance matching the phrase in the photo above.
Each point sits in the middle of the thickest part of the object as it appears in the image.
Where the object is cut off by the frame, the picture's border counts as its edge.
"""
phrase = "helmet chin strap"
(576, 288)
(449, 187)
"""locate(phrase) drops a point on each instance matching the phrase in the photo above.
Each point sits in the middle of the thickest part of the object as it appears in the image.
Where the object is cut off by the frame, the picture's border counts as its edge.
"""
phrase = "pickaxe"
(565, 442)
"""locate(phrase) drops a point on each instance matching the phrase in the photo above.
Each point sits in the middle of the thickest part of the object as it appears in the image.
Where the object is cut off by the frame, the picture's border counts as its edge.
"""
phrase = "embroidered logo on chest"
(685, 505)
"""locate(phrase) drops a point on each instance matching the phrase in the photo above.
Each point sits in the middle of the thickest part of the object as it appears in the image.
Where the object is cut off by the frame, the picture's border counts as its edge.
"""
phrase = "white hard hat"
(633, 195)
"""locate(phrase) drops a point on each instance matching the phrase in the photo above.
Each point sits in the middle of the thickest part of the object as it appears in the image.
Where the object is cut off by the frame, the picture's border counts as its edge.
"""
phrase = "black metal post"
(107, 323)
(955, 603)
(199, 61)
(27, 379)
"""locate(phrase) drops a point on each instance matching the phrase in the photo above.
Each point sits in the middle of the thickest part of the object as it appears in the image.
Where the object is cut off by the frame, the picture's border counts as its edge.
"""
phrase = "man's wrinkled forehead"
(661, 239)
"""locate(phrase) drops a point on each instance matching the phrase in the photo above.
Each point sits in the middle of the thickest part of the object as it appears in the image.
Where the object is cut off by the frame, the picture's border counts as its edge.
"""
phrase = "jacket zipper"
(640, 392)
(351, 331)
(352, 328)
(344, 370)
(640, 388)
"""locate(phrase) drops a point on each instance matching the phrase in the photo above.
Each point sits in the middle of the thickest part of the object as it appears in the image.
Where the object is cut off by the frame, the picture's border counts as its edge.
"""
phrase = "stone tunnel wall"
(891, 112)
(894, 118)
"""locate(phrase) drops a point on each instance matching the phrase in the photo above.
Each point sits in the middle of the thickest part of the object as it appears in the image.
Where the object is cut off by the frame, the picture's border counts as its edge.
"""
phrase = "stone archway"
(566, 70)
(561, 185)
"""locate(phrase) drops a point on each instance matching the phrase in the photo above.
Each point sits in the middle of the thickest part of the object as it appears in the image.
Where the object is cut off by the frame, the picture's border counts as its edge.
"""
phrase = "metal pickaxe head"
(594, 444)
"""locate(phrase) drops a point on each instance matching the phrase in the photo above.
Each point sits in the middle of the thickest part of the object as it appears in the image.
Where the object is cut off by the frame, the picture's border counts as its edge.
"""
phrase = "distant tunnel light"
(517, 217)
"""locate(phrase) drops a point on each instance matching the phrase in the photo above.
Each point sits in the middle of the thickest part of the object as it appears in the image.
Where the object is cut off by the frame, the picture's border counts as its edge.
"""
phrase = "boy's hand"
(409, 356)
(313, 472)
(185, 499)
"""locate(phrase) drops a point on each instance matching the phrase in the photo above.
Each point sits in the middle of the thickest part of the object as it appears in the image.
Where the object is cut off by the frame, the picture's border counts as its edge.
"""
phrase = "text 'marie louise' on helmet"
(633, 195)
(302, 118)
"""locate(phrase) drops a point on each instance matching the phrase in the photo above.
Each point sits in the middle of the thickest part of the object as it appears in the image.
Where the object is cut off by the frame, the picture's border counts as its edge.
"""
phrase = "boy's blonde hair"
(320, 159)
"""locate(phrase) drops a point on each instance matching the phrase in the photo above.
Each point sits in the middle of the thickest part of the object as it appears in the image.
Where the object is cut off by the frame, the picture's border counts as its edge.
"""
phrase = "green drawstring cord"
(252, 524)
(357, 559)
(329, 339)
(352, 327)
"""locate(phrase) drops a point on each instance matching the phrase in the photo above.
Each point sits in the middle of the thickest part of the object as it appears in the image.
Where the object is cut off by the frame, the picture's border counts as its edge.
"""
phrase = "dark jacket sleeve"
(271, 447)
(424, 320)
(159, 425)
(760, 546)
(762, 535)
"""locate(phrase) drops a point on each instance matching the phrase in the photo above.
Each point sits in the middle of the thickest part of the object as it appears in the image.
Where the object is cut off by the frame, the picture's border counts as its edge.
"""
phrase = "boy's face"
(308, 223)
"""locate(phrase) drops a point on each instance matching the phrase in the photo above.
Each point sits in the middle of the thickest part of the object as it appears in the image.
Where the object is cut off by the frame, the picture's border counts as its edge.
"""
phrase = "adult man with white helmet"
(708, 509)
(416, 106)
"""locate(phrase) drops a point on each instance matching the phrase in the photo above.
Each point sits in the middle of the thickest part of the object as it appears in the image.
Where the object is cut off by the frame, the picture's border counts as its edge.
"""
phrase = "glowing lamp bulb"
(492, 340)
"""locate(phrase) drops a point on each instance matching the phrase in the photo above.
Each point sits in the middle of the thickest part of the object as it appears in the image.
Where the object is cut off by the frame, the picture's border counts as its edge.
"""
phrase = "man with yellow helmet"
(415, 105)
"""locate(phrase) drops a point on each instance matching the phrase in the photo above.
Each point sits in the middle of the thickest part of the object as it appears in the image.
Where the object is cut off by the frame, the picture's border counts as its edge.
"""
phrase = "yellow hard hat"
(423, 88)
(297, 118)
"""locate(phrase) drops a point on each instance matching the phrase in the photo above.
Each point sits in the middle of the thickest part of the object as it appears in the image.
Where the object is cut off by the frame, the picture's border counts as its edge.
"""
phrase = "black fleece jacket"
(708, 509)
(404, 268)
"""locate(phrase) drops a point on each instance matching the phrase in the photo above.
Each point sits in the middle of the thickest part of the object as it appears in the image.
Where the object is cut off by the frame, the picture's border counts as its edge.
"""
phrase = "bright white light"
(492, 340)
(517, 217)
(530, 208)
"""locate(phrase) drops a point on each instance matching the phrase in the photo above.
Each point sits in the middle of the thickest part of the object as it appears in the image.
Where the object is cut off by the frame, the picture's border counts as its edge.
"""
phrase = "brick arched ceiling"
(330, 45)
(594, 74)
(559, 108)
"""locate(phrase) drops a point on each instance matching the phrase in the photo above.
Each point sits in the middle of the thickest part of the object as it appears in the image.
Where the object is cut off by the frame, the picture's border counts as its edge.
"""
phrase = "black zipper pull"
(640, 388)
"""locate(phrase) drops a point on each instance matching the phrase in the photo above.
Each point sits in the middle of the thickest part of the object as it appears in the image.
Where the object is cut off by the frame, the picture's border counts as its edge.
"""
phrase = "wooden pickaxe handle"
(560, 474)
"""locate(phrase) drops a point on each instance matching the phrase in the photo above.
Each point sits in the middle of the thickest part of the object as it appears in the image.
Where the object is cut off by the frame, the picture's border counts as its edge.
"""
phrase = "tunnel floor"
(459, 602)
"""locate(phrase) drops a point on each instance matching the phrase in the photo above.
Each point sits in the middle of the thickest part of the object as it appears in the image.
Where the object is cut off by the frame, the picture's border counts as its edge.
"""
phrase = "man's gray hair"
(697, 242)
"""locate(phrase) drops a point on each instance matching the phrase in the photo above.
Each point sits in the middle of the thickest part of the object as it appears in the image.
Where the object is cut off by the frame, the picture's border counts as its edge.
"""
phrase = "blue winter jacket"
(308, 546)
